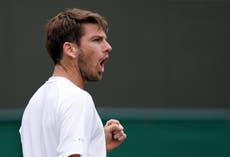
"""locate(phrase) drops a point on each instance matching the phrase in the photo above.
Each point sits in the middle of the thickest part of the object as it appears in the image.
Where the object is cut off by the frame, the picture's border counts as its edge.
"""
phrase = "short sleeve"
(74, 124)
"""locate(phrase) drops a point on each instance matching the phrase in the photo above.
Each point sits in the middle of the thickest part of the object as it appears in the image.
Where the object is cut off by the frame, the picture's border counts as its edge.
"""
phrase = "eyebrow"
(100, 36)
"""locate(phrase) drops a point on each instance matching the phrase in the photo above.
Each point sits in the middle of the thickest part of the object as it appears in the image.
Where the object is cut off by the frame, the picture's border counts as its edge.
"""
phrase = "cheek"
(90, 57)
(88, 63)
(92, 60)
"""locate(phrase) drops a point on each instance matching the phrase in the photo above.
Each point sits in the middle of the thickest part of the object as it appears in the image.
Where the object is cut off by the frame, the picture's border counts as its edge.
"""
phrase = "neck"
(70, 73)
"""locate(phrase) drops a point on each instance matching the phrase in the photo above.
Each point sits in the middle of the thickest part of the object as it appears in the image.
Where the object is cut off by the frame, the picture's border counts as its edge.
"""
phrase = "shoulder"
(70, 96)
(67, 88)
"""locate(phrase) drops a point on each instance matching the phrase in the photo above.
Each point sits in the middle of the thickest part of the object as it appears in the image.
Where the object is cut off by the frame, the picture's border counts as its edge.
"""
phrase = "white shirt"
(61, 120)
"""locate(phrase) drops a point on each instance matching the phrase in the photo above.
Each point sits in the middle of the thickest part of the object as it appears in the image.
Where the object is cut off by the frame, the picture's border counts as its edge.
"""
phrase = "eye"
(97, 39)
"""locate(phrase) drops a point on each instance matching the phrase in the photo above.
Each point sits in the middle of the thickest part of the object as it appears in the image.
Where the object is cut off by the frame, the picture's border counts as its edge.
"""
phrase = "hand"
(114, 134)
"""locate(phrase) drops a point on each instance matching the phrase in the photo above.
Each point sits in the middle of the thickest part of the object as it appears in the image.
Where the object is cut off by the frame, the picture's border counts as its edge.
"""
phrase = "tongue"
(102, 68)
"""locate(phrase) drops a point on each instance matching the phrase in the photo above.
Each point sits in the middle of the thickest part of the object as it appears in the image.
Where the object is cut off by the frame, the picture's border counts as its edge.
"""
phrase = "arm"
(114, 134)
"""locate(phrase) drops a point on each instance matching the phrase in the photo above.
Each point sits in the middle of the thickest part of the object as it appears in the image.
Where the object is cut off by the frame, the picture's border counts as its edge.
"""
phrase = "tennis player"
(60, 119)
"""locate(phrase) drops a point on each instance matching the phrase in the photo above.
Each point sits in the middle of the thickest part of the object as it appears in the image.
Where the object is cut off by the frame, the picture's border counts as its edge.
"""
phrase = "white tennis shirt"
(59, 120)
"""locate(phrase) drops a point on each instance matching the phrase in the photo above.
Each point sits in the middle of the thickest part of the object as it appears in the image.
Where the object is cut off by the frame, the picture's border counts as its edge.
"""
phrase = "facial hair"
(86, 69)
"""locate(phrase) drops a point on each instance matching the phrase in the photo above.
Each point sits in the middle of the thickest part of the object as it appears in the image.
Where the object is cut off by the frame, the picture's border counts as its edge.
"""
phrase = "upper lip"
(104, 59)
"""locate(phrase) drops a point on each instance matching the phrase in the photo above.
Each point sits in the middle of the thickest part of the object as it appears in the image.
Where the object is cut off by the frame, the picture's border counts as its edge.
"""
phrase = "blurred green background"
(151, 132)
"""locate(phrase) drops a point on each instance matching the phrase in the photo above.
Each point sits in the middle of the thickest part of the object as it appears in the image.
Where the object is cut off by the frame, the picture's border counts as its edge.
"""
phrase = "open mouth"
(102, 63)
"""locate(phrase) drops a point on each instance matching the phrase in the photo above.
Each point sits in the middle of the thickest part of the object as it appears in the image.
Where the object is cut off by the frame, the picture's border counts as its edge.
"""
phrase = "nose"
(108, 47)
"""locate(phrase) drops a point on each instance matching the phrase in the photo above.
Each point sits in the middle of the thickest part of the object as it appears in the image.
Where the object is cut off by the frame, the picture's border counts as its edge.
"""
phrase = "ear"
(70, 49)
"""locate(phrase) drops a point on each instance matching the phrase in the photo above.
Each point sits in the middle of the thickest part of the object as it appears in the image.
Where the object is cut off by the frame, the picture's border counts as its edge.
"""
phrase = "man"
(60, 119)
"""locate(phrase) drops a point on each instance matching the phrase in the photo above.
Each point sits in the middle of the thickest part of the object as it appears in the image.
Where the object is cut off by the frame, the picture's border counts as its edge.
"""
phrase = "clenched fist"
(114, 134)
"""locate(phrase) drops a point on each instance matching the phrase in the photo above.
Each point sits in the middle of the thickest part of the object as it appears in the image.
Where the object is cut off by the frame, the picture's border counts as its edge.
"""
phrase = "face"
(93, 53)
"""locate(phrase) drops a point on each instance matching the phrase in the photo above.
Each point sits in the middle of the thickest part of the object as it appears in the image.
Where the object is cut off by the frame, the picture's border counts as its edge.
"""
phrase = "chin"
(94, 79)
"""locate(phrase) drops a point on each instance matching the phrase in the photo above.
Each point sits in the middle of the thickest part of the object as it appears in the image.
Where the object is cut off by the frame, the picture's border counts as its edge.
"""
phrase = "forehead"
(91, 30)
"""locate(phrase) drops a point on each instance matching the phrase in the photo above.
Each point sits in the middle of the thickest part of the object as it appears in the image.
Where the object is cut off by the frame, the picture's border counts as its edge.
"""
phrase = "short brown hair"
(66, 26)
